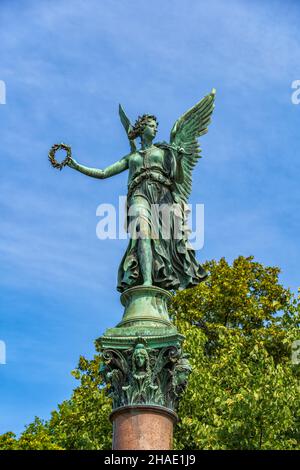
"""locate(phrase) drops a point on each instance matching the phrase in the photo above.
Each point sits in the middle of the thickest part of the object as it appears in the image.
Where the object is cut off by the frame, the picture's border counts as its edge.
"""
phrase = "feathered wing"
(184, 135)
(127, 126)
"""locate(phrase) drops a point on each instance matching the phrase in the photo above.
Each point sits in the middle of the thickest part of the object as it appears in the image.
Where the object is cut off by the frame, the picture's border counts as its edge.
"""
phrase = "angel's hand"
(180, 152)
(72, 163)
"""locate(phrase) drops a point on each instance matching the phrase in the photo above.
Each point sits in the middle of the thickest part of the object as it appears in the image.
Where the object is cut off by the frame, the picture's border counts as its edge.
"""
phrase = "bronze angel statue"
(160, 175)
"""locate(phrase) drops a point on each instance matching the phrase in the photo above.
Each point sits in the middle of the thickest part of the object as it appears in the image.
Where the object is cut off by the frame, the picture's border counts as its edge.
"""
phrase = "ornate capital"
(146, 376)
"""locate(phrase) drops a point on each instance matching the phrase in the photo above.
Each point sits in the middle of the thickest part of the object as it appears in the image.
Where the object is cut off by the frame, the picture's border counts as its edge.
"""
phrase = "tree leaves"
(243, 392)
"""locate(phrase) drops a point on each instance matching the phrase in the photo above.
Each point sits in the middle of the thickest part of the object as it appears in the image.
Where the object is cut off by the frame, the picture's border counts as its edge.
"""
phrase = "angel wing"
(127, 126)
(184, 135)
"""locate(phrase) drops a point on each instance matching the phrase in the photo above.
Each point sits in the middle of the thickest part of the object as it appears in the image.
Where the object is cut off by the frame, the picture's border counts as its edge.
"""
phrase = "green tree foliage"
(244, 391)
(79, 423)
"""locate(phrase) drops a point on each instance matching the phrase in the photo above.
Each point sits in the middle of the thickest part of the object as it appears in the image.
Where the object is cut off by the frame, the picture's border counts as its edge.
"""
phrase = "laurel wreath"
(52, 152)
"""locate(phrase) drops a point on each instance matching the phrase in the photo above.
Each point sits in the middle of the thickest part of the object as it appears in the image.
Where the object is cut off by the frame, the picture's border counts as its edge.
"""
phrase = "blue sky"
(67, 64)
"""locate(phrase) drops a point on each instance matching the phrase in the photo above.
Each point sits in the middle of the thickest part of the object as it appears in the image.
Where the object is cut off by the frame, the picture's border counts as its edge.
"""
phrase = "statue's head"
(144, 127)
(140, 357)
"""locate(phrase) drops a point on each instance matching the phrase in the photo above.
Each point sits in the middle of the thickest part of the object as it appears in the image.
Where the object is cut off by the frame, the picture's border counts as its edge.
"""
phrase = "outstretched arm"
(110, 170)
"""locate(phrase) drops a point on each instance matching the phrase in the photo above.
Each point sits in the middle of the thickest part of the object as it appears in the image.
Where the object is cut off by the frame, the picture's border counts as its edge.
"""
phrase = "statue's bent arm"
(179, 175)
(111, 170)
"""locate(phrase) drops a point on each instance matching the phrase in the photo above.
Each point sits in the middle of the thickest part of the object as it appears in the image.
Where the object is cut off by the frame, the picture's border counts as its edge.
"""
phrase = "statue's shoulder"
(133, 154)
(164, 146)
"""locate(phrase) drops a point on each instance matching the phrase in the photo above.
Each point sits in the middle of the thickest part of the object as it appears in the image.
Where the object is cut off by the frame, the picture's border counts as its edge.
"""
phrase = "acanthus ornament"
(146, 376)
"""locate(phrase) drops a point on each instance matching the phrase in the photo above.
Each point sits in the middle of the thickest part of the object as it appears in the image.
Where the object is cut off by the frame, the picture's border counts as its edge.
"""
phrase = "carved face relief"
(140, 359)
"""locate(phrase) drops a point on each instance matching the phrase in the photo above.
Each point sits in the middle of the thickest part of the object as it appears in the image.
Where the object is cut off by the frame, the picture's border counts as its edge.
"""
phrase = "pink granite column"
(143, 428)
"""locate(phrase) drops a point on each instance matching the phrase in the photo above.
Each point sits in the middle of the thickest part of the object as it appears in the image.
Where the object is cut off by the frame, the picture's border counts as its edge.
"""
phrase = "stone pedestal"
(146, 370)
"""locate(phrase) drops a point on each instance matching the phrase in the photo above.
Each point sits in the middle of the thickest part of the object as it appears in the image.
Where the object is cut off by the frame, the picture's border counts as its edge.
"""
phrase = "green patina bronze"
(143, 358)
(143, 375)
(144, 362)
(159, 174)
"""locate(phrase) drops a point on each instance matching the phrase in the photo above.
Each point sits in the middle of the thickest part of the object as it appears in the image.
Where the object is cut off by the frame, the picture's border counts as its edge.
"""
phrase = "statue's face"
(140, 359)
(150, 129)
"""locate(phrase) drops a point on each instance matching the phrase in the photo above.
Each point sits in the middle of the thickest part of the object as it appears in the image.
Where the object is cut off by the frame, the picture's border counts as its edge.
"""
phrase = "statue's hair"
(140, 125)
